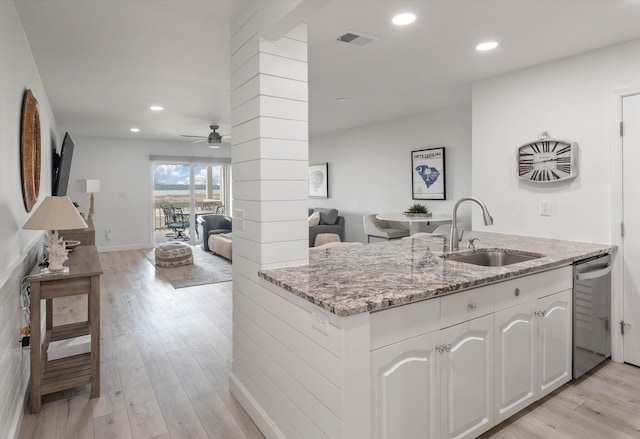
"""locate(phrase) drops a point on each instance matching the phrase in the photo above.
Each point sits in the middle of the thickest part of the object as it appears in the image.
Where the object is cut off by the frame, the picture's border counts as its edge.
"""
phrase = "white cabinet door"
(405, 386)
(554, 346)
(516, 359)
(466, 395)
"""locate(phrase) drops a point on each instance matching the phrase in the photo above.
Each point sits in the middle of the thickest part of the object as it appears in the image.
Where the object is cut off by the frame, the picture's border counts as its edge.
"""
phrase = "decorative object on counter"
(91, 187)
(427, 174)
(53, 214)
(548, 160)
(417, 210)
(30, 151)
(319, 181)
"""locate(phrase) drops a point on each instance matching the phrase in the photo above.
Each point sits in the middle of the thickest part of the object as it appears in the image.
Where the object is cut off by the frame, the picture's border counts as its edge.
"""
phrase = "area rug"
(207, 268)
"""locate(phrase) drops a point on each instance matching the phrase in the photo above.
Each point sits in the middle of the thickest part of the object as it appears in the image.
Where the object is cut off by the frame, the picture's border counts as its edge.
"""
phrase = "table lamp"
(53, 214)
(91, 187)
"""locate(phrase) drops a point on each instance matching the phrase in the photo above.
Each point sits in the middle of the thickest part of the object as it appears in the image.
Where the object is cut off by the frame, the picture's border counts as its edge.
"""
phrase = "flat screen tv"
(62, 167)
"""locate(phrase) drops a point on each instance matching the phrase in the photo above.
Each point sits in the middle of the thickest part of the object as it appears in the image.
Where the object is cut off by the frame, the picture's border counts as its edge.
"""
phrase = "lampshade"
(91, 186)
(55, 213)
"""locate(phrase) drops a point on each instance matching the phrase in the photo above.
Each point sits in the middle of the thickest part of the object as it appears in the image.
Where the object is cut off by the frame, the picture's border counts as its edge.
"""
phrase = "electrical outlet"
(320, 321)
(545, 208)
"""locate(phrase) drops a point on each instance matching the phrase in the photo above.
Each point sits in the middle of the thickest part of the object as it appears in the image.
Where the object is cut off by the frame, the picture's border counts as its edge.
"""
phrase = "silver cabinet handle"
(447, 348)
(439, 348)
(606, 322)
(472, 306)
(516, 292)
(540, 313)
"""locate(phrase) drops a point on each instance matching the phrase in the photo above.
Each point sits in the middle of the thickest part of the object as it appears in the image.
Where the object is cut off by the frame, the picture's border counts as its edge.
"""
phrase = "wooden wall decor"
(30, 150)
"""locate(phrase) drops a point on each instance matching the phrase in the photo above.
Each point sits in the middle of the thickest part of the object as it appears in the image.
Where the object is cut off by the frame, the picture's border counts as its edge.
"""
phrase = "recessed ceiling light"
(403, 19)
(342, 99)
(489, 45)
(135, 130)
(156, 108)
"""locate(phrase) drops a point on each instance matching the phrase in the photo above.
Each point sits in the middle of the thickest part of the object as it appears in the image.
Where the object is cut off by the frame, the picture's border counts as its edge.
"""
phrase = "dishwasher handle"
(588, 275)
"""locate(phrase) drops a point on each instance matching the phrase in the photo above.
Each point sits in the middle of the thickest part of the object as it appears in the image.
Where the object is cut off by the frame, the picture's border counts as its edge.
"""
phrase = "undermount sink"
(492, 257)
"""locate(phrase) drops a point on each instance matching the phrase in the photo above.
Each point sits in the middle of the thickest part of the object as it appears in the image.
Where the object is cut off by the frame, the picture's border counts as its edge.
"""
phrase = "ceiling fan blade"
(199, 141)
(199, 137)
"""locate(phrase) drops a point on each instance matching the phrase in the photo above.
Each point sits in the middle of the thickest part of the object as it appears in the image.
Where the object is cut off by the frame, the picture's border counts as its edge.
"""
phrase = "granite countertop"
(354, 279)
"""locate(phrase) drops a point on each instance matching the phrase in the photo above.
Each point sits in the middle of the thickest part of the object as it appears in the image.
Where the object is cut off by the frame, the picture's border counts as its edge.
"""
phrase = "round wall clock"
(30, 151)
(548, 160)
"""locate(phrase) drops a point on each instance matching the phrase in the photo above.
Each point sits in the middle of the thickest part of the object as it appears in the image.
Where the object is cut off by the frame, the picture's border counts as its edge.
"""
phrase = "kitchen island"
(469, 347)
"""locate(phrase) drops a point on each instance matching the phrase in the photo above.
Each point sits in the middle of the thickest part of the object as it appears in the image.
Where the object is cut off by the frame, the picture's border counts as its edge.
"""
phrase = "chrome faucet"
(453, 238)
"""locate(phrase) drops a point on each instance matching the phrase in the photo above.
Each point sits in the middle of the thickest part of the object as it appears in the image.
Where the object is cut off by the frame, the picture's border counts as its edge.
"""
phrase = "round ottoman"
(173, 254)
(325, 238)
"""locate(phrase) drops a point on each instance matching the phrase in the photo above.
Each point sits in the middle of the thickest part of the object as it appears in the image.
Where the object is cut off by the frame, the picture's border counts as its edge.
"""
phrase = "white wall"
(18, 248)
(570, 99)
(125, 172)
(370, 166)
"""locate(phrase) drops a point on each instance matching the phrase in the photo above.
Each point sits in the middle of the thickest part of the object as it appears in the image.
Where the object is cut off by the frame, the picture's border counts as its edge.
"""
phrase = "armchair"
(212, 225)
(381, 229)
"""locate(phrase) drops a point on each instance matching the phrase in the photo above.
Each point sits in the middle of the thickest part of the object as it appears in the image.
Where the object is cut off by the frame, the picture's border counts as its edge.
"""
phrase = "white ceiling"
(103, 63)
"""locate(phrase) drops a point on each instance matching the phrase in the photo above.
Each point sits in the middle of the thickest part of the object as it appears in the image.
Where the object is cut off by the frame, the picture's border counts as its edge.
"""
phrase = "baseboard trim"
(254, 409)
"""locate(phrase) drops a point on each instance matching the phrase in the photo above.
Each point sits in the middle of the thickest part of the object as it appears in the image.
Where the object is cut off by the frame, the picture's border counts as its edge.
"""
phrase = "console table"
(78, 370)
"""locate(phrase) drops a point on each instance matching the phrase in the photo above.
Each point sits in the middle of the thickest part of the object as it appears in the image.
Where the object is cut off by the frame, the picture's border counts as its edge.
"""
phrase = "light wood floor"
(166, 358)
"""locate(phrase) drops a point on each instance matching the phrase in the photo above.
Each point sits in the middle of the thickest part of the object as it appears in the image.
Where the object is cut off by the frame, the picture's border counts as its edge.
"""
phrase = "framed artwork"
(30, 150)
(319, 181)
(427, 174)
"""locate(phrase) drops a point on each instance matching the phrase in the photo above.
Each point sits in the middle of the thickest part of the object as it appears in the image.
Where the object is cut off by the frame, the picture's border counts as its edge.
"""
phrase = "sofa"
(330, 222)
(212, 225)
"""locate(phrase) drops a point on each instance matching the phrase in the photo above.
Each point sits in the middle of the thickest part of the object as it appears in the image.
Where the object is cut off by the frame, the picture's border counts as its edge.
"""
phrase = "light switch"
(545, 208)
(237, 220)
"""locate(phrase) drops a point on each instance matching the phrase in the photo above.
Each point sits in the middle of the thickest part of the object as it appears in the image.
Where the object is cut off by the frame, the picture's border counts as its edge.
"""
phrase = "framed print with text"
(427, 174)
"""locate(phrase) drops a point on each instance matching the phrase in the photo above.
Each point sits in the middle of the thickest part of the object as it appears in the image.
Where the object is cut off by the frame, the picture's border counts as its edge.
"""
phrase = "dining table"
(415, 222)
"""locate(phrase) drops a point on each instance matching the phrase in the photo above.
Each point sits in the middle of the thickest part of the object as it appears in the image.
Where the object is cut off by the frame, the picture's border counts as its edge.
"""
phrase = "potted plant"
(417, 209)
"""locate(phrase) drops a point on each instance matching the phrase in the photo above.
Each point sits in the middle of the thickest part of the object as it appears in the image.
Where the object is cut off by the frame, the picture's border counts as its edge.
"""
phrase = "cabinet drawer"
(461, 307)
(554, 281)
(403, 322)
(516, 291)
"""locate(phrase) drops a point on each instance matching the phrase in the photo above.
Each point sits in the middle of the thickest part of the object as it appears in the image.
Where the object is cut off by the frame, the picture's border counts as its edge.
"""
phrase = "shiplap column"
(269, 100)
(270, 146)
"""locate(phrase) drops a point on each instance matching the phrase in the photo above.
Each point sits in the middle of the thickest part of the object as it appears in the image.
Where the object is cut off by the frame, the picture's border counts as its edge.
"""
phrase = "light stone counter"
(356, 279)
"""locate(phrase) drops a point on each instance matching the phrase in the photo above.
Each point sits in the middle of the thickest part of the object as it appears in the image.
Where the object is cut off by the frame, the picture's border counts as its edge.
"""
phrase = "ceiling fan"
(214, 139)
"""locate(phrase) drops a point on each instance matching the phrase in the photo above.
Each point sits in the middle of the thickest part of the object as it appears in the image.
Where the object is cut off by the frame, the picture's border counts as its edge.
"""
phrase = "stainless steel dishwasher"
(591, 313)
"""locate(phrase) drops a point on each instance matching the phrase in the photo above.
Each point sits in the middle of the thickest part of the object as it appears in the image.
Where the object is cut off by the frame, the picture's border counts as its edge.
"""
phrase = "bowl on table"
(70, 245)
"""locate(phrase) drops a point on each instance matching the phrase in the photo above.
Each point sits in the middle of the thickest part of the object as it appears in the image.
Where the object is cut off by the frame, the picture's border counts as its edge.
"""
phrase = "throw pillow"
(327, 216)
(314, 219)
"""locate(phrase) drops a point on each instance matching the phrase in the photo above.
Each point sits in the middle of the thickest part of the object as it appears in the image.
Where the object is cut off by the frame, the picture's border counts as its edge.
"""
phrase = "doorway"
(189, 190)
(630, 324)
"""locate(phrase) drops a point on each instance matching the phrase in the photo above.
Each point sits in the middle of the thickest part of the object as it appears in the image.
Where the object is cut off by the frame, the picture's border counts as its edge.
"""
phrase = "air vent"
(357, 39)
